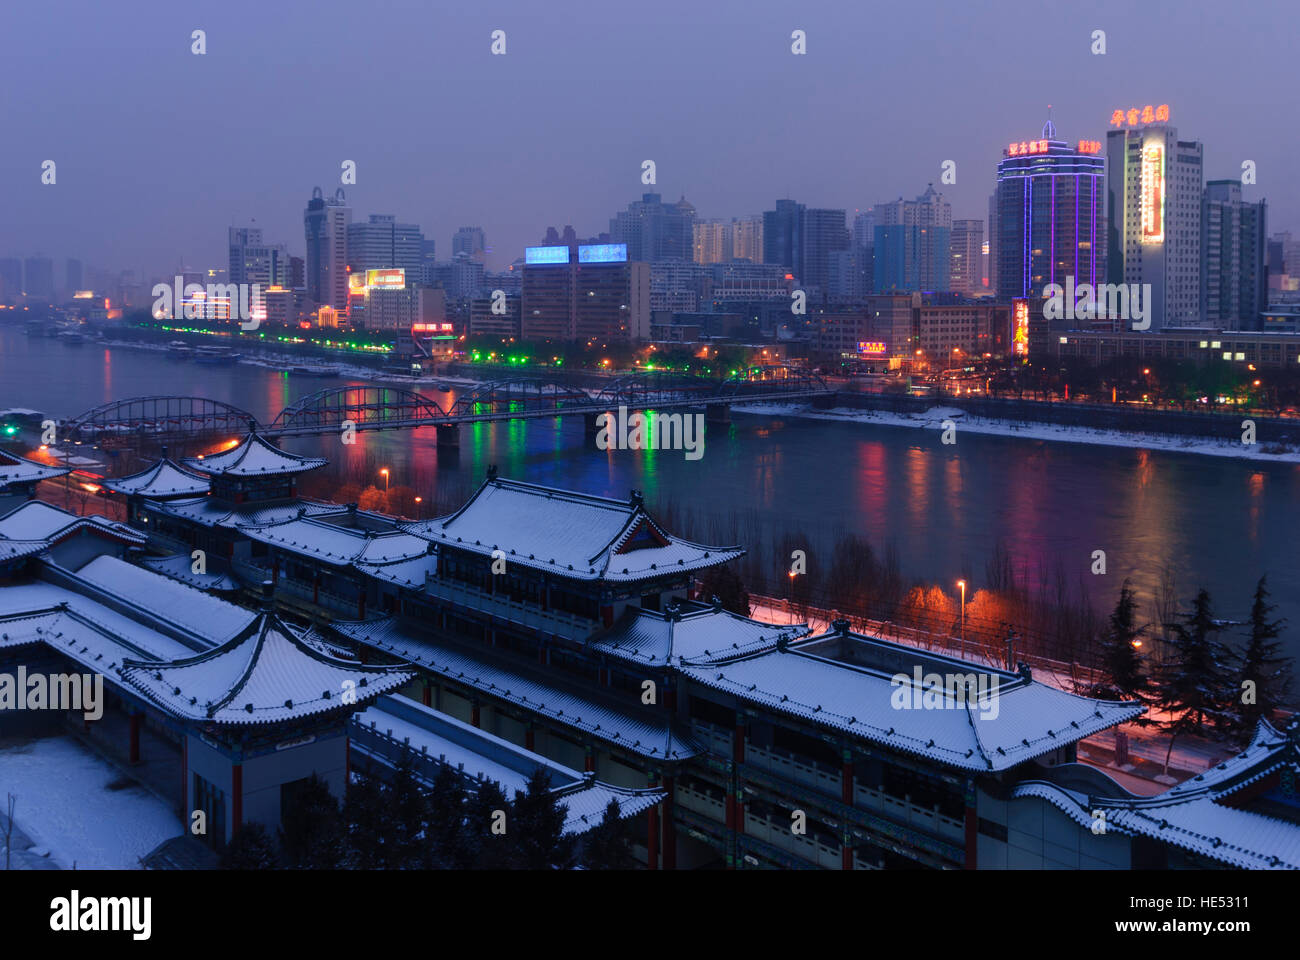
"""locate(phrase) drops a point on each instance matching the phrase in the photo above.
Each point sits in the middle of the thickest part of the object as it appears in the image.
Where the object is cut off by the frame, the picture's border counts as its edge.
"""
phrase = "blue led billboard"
(603, 253)
(546, 255)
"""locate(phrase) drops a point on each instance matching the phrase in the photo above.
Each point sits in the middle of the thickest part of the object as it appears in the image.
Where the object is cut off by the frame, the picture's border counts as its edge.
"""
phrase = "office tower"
(73, 277)
(326, 223)
(11, 279)
(469, 241)
(585, 292)
(783, 234)
(679, 287)
(824, 235)
(462, 277)
(1153, 207)
(991, 243)
(297, 273)
(1234, 280)
(713, 241)
(747, 239)
(912, 244)
(381, 243)
(850, 274)
(864, 228)
(253, 260)
(39, 277)
(1047, 216)
(966, 255)
(654, 230)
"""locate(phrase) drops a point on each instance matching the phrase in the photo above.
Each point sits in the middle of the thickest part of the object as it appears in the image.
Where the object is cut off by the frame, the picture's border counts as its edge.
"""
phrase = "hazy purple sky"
(159, 150)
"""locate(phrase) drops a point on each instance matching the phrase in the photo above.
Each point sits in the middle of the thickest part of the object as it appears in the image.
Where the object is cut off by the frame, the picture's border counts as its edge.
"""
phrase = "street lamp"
(962, 585)
(384, 474)
(790, 602)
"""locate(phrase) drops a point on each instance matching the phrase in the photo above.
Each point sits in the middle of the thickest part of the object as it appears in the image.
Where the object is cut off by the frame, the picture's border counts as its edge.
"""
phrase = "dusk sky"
(159, 150)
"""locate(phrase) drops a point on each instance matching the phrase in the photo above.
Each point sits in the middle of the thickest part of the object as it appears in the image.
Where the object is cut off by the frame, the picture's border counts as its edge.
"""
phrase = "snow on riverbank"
(933, 418)
(69, 803)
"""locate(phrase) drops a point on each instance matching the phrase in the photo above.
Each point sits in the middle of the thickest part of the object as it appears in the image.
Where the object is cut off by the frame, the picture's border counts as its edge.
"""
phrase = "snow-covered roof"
(581, 536)
(37, 520)
(265, 674)
(180, 567)
(586, 804)
(209, 617)
(318, 539)
(1193, 815)
(700, 635)
(853, 690)
(645, 733)
(15, 470)
(254, 457)
(163, 479)
(215, 513)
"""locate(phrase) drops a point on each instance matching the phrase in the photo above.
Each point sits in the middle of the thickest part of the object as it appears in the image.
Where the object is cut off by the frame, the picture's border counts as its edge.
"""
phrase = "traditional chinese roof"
(847, 682)
(207, 512)
(254, 457)
(699, 634)
(320, 538)
(648, 735)
(180, 567)
(265, 674)
(1207, 814)
(36, 520)
(580, 536)
(163, 479)
(15, 470)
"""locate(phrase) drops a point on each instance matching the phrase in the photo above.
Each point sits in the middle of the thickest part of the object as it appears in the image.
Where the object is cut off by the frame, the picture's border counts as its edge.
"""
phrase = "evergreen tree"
(539, 822)
(366, 816)
(312, 832)
(723, 582)
(1193, 683)
(1119, 649)
(407, 812)
(492, 847)
(608, 846)
(447, 834)
(1264, 673)
(251, 849)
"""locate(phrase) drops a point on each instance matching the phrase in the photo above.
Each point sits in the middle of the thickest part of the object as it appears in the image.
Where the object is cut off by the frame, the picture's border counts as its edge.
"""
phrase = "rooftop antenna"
(1049, 128)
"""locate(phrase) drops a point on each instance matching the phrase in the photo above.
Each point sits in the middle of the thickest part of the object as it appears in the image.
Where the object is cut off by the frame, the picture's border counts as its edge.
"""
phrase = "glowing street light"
(384, 473)
(962, 585)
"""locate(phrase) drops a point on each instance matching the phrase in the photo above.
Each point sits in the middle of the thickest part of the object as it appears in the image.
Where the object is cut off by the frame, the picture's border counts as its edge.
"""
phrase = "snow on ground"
(934, 417)
(65, 805)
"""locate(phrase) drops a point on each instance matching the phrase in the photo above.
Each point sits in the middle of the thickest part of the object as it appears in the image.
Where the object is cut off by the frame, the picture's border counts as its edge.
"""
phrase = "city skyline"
(170, 207)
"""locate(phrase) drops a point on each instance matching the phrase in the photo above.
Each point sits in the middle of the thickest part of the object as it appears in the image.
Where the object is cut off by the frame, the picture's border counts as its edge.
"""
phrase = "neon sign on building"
(872, 348)
(1134, 116)
(1020, 328)
(1153, 193)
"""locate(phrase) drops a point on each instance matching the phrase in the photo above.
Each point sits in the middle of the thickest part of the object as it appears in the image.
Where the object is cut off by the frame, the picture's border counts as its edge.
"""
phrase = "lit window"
(1227, 355)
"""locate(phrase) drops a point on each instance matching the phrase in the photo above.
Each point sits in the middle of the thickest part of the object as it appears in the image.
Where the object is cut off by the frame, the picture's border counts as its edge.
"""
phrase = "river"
(1214, 521)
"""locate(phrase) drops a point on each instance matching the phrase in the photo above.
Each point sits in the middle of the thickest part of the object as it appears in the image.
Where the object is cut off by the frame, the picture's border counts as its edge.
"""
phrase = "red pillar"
(236, 798)
(136, 717)
(589, 761)
(670, 831)
(426, 693)
(846, 783)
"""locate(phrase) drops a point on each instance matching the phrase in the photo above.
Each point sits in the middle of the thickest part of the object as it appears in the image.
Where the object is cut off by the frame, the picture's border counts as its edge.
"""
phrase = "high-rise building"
(912, 244)
(297, 273)
(654, 230)
(381, 243)
(747, 239)
(253, 260)
(864, 228)
(1234, 274)
(850, 274)
(966, 253)
(584, 292)
(783, 234)
(39, 276)
(469, 241)
(326, 224)
(1047, 216)
(461, 277)
(803, 240)
(11, 279)
(1153, 208)
(713, 241)
(73, 277)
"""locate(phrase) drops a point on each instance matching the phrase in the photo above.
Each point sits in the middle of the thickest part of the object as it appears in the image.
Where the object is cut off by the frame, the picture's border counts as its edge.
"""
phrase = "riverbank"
(935, 417)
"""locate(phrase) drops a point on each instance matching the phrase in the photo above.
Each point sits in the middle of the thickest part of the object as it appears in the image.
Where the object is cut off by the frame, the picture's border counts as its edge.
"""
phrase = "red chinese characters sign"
(1134, 116)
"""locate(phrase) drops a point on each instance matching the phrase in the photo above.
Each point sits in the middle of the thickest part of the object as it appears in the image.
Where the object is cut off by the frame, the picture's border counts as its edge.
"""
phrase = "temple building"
(544, 627)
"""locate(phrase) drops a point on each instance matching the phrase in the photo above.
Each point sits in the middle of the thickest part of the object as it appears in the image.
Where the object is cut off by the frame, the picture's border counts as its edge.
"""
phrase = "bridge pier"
(719, 413)
(448, 436)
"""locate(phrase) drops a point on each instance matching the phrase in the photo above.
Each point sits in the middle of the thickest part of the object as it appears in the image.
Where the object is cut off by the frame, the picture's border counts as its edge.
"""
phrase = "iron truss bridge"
(168, 419)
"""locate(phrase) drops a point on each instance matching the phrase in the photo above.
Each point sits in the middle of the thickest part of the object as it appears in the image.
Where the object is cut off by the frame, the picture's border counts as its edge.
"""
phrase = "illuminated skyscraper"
(326, 224)
(1047, 215)
(912, 244)
(1153, 201)
(966, 249)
